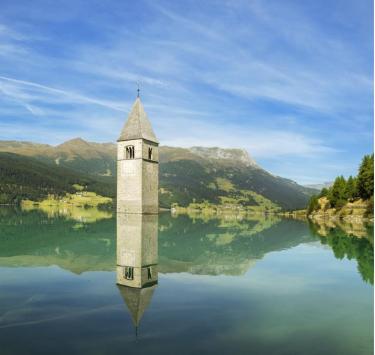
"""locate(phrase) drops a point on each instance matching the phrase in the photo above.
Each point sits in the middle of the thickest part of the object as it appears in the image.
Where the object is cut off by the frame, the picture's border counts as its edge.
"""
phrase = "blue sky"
(290, 81)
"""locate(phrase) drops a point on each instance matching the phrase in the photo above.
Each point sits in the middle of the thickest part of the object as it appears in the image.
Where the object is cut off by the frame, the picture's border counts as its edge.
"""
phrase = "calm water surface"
(265, 286)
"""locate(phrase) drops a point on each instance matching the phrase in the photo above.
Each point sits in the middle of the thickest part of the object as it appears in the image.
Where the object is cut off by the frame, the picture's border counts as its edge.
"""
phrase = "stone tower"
(137, 258)
(137, 164)
(137, 250)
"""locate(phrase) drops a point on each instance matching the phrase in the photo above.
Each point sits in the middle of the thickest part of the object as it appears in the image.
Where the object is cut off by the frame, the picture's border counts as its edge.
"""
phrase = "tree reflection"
(350, 247)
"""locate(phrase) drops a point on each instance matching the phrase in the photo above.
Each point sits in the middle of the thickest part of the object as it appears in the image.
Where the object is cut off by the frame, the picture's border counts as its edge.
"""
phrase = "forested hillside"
(193, 180)
(187, 175)
(27, 178)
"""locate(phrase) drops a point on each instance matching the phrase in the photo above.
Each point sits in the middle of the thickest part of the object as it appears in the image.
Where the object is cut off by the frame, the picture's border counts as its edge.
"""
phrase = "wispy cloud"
(285, 81)
(260, 143)
(19, 90)
(7, 33)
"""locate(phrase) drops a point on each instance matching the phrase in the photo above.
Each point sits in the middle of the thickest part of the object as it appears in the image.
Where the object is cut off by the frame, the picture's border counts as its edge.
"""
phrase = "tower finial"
(138, 90)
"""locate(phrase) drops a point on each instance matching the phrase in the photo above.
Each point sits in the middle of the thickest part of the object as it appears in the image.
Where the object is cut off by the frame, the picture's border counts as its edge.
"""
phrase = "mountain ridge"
(79, 147)
(196, 174)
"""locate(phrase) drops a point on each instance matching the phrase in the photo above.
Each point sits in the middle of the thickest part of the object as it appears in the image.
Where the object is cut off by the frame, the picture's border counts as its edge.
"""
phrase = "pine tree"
(366, 177)
(337, 193)
(341, 191)
(351, 188)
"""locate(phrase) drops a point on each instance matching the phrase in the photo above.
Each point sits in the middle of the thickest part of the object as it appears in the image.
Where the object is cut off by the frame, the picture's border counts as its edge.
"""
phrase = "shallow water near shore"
(225, 286)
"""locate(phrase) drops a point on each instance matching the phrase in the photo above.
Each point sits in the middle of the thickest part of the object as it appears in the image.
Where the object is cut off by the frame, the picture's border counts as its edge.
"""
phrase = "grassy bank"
(82, 206)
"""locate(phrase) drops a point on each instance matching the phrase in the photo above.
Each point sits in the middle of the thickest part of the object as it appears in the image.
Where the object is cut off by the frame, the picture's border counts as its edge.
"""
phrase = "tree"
(361, 186)
(365, 183)
(324, 192)
(337, 193)
(313, 204)
(351, 188)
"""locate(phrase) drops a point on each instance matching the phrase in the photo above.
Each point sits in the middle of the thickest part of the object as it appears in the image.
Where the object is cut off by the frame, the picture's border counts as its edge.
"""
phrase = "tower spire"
(138, 125)
(138, 90)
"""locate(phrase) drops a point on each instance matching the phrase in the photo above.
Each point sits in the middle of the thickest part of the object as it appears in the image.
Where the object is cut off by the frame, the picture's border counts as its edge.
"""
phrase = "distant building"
(137, 164)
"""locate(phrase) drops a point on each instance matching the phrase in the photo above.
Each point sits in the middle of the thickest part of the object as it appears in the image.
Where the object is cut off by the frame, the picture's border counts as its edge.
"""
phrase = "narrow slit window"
(149, 273)
(130, 153)
(150, 153)
(129, 273)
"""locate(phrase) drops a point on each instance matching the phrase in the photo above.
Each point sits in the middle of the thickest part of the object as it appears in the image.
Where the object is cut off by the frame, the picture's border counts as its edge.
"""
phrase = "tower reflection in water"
(137, 258)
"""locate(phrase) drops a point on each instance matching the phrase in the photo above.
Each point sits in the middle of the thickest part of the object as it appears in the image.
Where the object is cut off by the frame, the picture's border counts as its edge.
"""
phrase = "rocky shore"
(356, 212)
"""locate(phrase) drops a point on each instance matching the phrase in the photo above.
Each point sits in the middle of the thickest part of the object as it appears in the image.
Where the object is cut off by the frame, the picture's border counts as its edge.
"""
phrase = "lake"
(211, 286)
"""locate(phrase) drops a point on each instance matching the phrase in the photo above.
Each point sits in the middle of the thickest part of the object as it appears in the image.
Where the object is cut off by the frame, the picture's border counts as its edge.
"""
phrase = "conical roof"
(138, 125)
(137, 300)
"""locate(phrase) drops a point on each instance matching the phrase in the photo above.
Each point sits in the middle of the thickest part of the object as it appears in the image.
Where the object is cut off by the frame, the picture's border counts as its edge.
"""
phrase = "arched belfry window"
(130, 153)
(150, 153)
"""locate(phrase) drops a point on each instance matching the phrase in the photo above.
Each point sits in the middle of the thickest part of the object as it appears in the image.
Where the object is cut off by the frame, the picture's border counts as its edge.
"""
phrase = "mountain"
(187, 175)
(77, 154)
(23, 178)
(320, 186)
(219, 154)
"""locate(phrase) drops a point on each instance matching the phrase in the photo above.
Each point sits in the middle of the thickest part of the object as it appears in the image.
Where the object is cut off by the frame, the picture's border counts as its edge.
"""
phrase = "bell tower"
(137, 164)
